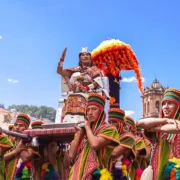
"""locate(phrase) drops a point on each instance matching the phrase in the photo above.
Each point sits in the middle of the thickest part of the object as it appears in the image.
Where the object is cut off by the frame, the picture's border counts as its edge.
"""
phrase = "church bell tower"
(152, 99)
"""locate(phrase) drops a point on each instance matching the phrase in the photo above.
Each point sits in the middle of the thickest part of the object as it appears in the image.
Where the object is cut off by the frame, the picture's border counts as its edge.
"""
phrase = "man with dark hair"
(165, 145)
(18, 159)
(92, 146)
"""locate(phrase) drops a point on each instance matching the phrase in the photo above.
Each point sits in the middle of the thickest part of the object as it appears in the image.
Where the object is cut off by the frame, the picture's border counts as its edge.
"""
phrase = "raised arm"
(60, 69)
(172, 127)
(75, 143)
(20, 147)
(26, 155)
(10, 155)
(69, 156)
(149, 123)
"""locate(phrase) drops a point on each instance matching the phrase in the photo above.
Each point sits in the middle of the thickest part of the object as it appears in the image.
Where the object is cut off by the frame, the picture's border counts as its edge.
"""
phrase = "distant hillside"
(35, 111)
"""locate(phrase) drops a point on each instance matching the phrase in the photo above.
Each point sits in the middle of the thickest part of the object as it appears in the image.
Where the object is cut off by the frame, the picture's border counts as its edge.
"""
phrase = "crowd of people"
(112, 148)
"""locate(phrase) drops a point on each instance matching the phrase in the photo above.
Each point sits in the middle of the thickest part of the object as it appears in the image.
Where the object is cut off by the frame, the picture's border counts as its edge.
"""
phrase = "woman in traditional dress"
(92, 146)
(81, 80)
(165, 146)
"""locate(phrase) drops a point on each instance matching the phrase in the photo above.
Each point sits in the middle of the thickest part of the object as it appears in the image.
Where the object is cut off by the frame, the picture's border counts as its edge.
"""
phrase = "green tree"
(35, 111)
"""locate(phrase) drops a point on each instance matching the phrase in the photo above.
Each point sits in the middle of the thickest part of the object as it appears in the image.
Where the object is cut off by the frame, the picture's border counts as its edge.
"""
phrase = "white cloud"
(13, 81)
(131, 79)
(129, 112)
(0, 37)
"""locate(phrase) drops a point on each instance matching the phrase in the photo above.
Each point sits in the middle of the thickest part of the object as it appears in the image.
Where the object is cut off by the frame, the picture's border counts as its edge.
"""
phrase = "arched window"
(148, 108)
(144, 108)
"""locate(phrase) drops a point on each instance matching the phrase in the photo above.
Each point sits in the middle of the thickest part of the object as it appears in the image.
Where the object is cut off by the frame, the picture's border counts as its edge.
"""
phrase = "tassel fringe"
(147, 173)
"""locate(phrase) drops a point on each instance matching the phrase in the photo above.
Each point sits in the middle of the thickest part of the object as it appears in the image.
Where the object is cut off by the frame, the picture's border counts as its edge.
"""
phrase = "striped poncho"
(89, 160)
(5, 144)
(162, 142)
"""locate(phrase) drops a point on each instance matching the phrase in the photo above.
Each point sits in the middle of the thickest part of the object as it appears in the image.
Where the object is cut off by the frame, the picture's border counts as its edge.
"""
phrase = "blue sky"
(33, 34)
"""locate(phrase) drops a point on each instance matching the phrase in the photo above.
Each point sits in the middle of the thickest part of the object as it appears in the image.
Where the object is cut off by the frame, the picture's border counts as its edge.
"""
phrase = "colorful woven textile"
(130, 123)
(117, 115)
(75, 106)
(89, 160)
(174, 96)
(24, 118)
(5, 144)
(162, 152)
(127, 140)
(23, 170)
(55, 131)
(96, 99)
(37, 125)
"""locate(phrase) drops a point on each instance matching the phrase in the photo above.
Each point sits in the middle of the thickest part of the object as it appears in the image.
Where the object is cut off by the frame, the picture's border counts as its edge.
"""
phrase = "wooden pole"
(114, 89)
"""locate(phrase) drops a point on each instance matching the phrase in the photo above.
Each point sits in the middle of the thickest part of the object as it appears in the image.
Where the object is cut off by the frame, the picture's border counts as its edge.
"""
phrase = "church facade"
(152, 99)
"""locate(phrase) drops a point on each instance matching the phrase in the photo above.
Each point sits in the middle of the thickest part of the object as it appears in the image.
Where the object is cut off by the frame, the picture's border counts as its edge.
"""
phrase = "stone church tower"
(153, 96)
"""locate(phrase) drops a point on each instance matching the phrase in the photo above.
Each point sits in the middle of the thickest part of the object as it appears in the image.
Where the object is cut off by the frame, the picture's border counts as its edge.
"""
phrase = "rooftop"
(154, 87)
